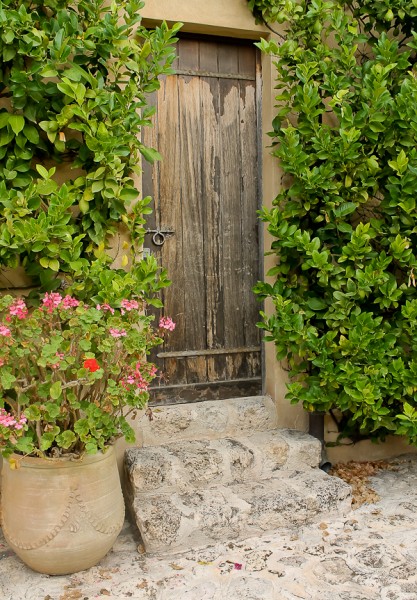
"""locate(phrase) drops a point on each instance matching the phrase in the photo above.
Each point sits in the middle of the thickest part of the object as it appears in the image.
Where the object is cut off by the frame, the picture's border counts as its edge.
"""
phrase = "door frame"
(235, 20)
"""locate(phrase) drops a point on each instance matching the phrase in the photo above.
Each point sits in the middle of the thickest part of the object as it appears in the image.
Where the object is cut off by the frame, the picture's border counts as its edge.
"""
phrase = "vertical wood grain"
(230, 184)
(206, 190)
(213, 221)
(170, 205)
(191, 126)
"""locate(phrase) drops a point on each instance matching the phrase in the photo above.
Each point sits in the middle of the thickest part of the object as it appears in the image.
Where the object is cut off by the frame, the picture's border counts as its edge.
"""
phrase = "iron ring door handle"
(158, 238)
(159, 235)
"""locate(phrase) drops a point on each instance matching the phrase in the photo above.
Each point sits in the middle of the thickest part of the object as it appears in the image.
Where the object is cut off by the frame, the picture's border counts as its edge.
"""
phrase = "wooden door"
(206, 192)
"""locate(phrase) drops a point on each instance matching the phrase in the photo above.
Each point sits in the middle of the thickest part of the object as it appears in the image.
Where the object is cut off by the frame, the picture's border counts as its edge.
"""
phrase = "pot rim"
(37, 462)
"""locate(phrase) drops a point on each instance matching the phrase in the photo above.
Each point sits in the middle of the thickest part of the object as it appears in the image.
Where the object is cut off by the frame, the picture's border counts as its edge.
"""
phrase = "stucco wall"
(219, 17)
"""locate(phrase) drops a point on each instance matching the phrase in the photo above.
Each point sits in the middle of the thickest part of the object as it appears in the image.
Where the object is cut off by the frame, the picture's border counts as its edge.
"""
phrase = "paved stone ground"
(369, 555)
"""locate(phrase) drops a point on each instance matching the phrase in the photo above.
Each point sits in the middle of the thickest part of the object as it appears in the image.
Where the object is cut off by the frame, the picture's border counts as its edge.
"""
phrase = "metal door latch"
(159, 235)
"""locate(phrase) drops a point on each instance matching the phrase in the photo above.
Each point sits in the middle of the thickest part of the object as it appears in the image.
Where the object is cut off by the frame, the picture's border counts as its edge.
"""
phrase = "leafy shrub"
(74, 83)
(345, 221)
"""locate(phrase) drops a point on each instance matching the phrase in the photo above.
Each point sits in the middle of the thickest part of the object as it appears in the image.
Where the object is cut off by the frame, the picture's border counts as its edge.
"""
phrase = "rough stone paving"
(370, 554)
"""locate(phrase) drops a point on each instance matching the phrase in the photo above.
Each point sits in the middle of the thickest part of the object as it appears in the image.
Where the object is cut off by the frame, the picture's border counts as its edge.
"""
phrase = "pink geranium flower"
(51, 301)
(18, 309)
(117, 333)
(105, 307)
(166, 323)
(70, 302)
(8, 420)
(129, 304)
(5, 331)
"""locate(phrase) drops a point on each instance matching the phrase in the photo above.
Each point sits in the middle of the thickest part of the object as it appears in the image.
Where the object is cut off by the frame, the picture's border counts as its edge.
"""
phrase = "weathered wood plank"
(230, 184)
(206, 391)
(213, 212)
(170, 207)
(190, 120)
(249, 205)
(150, 187)
(188, 54)
(247, 61)
(208, 352)
(202, 73)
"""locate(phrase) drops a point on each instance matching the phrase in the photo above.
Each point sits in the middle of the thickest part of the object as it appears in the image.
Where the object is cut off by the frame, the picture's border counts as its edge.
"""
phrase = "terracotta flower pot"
(62, 516)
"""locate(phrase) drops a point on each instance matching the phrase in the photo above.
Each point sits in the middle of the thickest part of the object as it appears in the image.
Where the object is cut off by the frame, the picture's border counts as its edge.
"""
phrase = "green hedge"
(344, 223)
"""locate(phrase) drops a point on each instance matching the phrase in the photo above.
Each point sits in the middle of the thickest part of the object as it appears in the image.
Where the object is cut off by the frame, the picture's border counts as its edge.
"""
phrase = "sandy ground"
(369, 555)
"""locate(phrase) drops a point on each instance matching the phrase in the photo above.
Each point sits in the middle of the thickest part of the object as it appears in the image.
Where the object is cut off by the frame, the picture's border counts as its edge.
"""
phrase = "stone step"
(176, 522)
(208, 420)
(194, 464)
(221, 471)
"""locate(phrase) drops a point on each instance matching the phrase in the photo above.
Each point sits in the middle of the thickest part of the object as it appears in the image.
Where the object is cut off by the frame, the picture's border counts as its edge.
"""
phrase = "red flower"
(91, 364)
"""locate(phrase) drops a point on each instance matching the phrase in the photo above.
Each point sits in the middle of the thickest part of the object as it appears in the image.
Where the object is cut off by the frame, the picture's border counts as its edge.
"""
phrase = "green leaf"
(150, 154)
(42, 171)
(52, 410)
(46, 187)
(66, 439)
(17, 123)
(400, 164)
(4, 119)
(344, 209)
(7, 378)
(49, 72)
(47, 439)
(44, 262)
(81, 427)
(91, 447)
(6, 137)
(83, 205)
(128, 194)
(25, 445)
(55, 390)
(155, 302)
(316, 304)
(31, 133)
(9, 52)
(32, 412)
(344, 227)
(97, 186)
(54, 264)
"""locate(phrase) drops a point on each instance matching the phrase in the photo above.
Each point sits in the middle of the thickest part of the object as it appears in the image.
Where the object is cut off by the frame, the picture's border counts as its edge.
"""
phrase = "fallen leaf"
(357, 475)
(142, 585)
(323, 526)
(141, 549)
(176, 567)
(105, 592)
(71, 595)
(104, 574)
(238, 566)
(204, 563)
